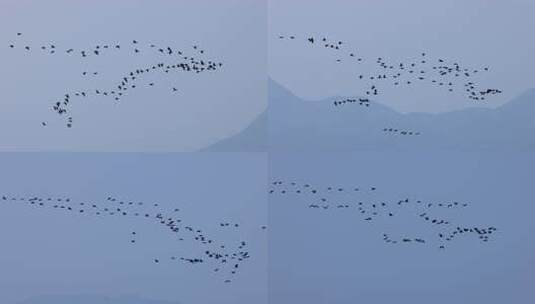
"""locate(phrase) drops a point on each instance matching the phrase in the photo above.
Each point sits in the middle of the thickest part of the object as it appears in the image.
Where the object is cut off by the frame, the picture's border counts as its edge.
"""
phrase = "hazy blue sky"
(314, 257)
(336, 257)
(208, 107)
(474, 33)
(45, 251)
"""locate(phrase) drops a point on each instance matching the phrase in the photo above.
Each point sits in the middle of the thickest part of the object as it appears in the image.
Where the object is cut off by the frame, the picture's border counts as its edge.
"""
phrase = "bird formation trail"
(437, 72)
(395, 131)
(441, 230)
(167, 60)
(361, 101)
(224, 259)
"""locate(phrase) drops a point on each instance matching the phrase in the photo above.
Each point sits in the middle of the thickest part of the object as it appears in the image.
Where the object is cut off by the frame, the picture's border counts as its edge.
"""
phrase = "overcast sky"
(53, 251)
(335, 256)
(207, 107)
(474, 33)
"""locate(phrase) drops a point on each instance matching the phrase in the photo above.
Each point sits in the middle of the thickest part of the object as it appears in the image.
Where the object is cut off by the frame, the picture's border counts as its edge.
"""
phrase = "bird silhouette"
(369, 210)
(215, 254)
(176, 62)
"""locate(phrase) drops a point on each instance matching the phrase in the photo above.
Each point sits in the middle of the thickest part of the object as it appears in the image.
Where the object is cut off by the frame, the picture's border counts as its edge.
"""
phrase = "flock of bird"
(225, 259)
(441, 231)
(361, 101)
(167, 60)
(399, 132)
(438, 72)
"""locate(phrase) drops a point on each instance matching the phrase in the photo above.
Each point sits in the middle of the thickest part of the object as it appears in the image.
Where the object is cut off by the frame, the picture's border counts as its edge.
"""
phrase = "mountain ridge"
(295, 124)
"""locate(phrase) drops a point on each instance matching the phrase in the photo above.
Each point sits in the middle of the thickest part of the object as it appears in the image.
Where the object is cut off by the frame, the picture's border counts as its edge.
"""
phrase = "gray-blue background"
(335, 256)
(46, 251)
(208, 107)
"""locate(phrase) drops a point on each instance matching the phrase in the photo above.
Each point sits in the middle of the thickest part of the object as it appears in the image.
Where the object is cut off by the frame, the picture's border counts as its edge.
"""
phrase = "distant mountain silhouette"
(252, 139)
(295, 124)
(90, 299)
